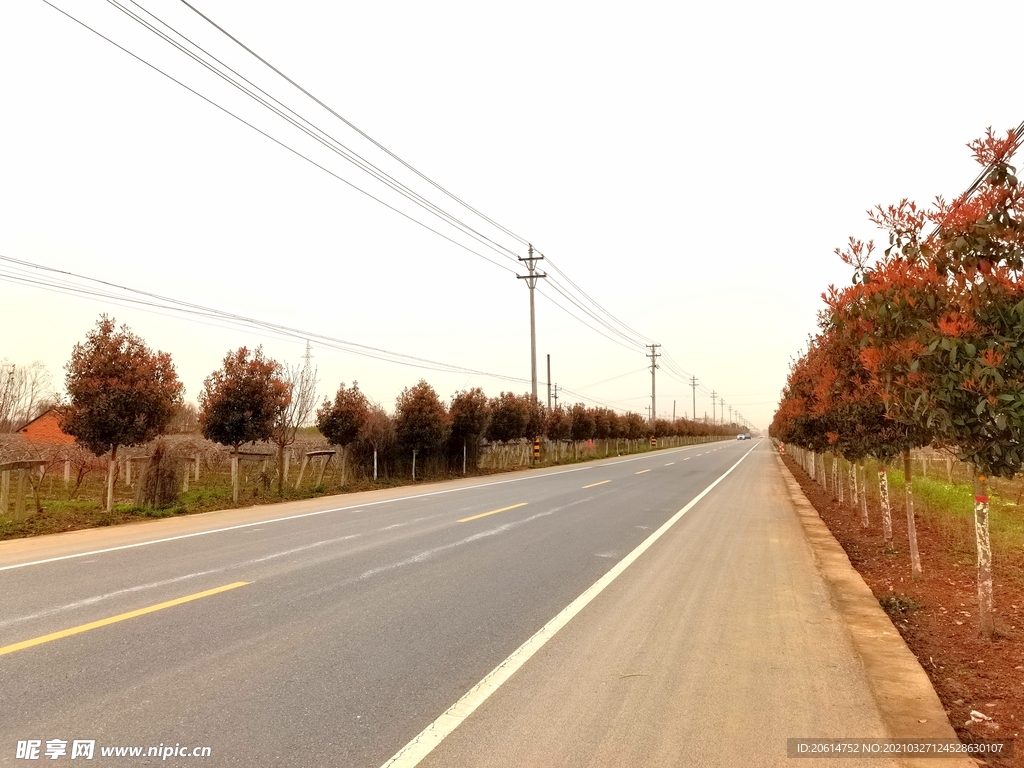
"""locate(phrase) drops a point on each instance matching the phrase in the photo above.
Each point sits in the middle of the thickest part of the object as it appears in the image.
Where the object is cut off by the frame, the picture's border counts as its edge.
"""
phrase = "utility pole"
(531, 279)
(654, 366)
(730, 414)
(673, 411)
(693, 383)
(549, 382)
(556, 395)
(713, 396)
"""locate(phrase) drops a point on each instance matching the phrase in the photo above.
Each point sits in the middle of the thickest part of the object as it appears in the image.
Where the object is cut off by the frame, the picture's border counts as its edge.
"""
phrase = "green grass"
(948, 508)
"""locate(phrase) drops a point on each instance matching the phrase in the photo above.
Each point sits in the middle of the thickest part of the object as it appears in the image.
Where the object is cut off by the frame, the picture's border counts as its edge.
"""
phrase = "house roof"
(27, 424)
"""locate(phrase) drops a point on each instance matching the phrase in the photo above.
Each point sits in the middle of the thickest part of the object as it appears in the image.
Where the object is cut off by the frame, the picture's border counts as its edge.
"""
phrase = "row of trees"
(926, 347)
(121, 393)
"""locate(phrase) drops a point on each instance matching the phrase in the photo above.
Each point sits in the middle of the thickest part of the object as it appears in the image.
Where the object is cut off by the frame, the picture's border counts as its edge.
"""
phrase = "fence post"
(5, 491)
(19, 497)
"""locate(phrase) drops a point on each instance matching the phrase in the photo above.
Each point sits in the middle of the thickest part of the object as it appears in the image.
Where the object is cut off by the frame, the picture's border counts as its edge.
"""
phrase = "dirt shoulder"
(937, 616)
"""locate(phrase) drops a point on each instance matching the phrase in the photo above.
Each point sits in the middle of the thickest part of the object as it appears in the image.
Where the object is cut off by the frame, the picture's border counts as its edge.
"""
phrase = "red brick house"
(45, 428)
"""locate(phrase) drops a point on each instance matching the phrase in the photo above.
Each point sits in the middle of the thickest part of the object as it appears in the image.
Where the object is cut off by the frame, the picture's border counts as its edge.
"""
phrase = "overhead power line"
(49, 278)
(278, 141)
(318, 134)
(615, 330)
(366, 136)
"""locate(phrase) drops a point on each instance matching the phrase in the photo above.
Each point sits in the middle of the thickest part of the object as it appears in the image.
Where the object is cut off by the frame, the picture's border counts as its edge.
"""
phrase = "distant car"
(741, 437)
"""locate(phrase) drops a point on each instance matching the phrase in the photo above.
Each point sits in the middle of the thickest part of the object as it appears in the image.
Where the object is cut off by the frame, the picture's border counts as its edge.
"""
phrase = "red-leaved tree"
(120, 393)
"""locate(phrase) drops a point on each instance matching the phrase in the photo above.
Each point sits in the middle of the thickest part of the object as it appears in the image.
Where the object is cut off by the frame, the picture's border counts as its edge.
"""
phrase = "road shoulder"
(905, 697)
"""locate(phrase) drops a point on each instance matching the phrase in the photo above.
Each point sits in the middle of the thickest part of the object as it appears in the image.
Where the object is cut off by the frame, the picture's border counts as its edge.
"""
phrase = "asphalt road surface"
(332, 632)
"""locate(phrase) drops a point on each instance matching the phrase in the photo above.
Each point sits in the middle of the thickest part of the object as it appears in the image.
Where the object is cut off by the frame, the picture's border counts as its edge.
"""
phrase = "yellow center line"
(642, 471)
(114, 619)
(670, 464)
(593, 484)
(485, 514)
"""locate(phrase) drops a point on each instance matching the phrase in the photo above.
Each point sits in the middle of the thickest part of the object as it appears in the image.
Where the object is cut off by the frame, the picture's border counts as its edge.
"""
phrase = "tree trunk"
(853, 484)
(837, 480)
(280, 471)
(883, 501)
(111, 468)
(234, 476)
(986, 615)
(915, 557)
(864, 497)
(344, 457)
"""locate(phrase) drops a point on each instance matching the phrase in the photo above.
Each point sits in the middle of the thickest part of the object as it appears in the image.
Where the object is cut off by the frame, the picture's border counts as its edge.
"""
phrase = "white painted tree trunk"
(883, 501)
(986, 613)
(111, 468)
(864, 522)
(234, 476)
(853, 484)
(915, 557)
(837, 480)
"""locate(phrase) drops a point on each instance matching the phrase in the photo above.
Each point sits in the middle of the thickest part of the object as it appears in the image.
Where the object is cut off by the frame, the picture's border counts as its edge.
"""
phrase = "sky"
(690, 167)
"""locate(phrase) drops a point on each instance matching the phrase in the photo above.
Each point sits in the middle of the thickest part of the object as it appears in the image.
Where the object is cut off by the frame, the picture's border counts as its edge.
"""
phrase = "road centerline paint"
(642, 471)
(492, 512)
(115, 619)
(593, 485)
(430, 737)
(670, 464)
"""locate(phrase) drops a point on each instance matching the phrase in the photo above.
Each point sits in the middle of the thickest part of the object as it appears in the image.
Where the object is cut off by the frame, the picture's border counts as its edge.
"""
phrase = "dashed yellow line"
(596, 484)
(642, 471)
(114, 619)
(494, 512)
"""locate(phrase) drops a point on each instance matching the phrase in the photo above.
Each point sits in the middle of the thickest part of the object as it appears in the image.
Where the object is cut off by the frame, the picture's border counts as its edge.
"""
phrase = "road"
(332, 632)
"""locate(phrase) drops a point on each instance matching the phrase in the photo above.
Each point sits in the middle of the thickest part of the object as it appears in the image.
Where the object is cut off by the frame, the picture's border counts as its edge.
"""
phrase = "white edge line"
(430, 737)
(304, 514)
(283, 519)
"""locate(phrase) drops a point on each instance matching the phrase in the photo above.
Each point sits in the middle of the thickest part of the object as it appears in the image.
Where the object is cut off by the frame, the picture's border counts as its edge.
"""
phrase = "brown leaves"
(120, 392)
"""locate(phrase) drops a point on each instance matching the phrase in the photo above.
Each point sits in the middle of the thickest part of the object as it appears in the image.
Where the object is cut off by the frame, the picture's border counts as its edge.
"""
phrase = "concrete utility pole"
(673, 411)
(654, 366)
(549, 382)
(730, 414)
(556, 395)
(531, 280)
(693, 383)
(713, 396)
